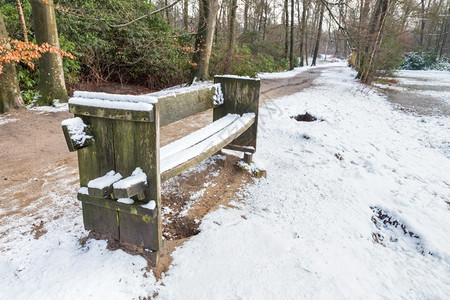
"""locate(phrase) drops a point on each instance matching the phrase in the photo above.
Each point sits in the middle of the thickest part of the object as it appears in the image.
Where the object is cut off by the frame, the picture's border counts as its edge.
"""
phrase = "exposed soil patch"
(305, 118)
(37, 230)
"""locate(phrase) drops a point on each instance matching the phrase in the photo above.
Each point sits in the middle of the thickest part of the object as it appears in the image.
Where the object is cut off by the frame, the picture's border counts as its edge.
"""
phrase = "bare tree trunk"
(9, 87)
(286, 26)
(204, 39)
(303, 33)
(185, 14)
(370, 71)
(22, 21)
(51, 76)
(319, 35)
(291, 48)
(266, 9)
(328, 40)
(231, 37)
(367, 35)
(444, 38)
(246, 7)
(422, 22)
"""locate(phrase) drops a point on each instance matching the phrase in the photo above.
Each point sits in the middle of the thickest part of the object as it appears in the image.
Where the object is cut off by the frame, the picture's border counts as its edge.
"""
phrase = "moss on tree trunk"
(51, 77)
(9, 87)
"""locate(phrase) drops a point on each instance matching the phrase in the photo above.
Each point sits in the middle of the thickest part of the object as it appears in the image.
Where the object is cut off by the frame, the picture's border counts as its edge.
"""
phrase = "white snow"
(56, 107)
(136, 106)
(197, 136)
(137, 176)
(125, 200)
(150, 205)
(116, 97)
(218, 95)
(83, 190)
(308, 228)
(76, 128)
(105, 181)
(284, 74)
(177, 90)
(221, 133)
(4, 119)
(305, 232)
(238, 77)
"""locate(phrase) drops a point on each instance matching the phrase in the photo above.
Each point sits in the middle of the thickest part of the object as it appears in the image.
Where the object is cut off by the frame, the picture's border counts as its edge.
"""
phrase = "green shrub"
(425, 61)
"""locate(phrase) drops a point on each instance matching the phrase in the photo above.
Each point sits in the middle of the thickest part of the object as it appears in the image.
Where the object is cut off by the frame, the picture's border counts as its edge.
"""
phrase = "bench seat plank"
(203, 146)
(197, 136)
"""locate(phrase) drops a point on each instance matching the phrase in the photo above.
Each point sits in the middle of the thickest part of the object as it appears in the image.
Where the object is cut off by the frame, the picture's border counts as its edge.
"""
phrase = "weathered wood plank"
(111, 113)
(101, 220)
(71, 144)
(241, 95)
(137, 145)
(208, 150)
(179, 106)
(139, 230)
(233, 147)
(130, 191)
(98, 159)
(134, 209)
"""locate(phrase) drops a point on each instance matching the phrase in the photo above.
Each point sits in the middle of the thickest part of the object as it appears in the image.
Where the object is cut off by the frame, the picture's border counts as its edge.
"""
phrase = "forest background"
(158, 44)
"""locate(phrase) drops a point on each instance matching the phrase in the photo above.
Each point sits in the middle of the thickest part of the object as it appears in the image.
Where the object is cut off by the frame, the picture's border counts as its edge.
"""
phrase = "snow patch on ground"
(308, 228)
(4, 119)
(57, 107)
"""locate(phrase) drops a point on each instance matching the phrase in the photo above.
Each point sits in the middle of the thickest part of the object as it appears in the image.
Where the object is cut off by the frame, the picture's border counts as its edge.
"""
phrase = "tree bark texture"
(319, 35)
(380, 19)
(204, 39)
(51, 79)
(185, 14)
(9, 87)
(22, 21)
(231, 37)
(286, 28)
(291, 48)
(303, 33)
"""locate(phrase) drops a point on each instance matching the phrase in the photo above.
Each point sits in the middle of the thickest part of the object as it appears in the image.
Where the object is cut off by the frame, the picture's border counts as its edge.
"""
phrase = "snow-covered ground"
(431, 88)
(329, 222)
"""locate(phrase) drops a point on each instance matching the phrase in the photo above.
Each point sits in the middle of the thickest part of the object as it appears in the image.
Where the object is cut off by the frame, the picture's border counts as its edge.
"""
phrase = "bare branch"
(143, 17)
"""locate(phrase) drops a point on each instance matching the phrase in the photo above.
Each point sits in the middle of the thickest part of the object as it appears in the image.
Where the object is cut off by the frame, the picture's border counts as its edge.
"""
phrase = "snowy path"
(305, 232)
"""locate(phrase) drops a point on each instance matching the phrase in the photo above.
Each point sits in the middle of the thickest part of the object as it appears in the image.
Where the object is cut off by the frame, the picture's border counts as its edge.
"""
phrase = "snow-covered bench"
(121, 165)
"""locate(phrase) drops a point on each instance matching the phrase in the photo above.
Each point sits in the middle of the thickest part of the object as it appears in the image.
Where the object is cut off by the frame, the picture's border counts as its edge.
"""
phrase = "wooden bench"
(121, 164)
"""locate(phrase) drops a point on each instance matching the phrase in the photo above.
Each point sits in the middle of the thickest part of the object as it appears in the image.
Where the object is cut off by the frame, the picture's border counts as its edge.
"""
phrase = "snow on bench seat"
(194, 148)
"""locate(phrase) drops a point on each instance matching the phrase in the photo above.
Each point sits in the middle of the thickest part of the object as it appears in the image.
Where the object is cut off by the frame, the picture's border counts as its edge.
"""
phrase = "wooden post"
(124, 140)
(241, 95)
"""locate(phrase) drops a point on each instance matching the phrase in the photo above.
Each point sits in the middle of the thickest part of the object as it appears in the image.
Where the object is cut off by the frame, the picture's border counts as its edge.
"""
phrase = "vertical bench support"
(123, 141)
(241, 95)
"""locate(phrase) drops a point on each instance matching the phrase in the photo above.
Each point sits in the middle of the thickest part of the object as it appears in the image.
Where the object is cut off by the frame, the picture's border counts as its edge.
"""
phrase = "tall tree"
(185, 14)
(231, 37)
(291, 48)
(204, 39)
(286, 28)
(51, 76)
(319, 35)
(9, 87)
(303, 32)
(22, 21)
(376, 31)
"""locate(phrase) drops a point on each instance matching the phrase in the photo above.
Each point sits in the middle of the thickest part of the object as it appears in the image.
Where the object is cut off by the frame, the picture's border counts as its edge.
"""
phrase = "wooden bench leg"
(248, 157)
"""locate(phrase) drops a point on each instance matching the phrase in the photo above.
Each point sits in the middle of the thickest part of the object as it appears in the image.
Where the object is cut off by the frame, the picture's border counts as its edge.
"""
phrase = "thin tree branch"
(142, 17)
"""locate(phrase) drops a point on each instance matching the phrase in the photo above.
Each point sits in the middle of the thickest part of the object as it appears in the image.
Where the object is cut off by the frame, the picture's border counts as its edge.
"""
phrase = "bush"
(425, 61)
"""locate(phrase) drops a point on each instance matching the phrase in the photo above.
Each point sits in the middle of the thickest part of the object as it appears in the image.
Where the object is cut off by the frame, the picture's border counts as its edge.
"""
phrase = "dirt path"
(34, 161)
